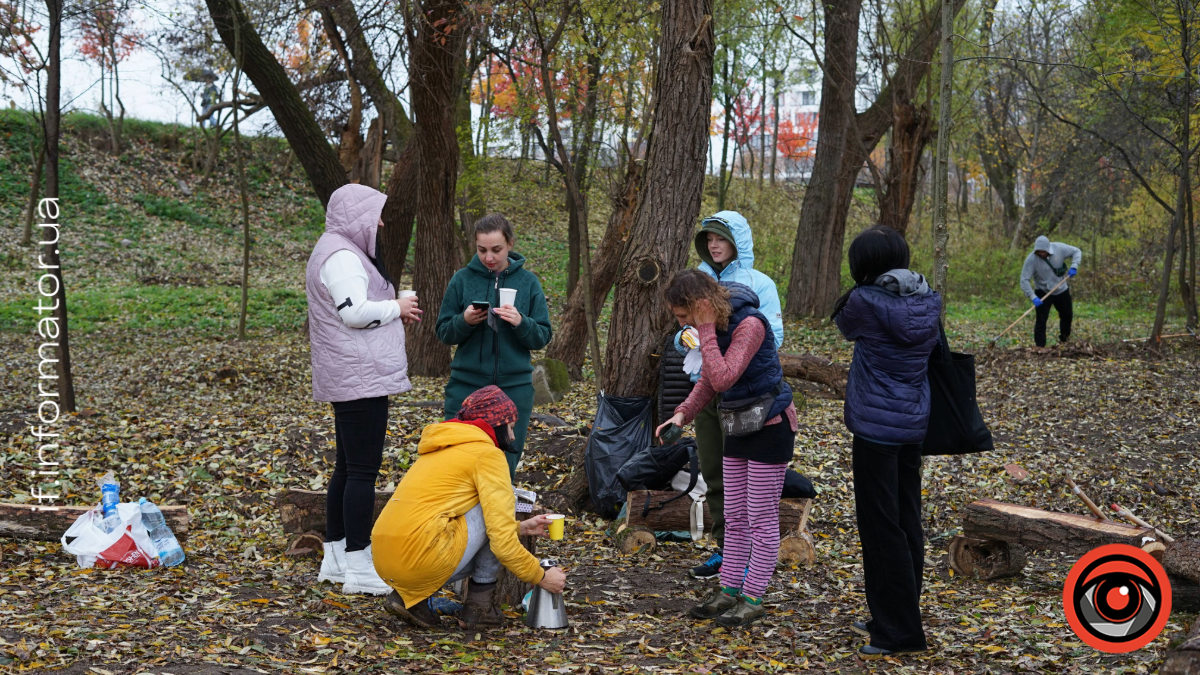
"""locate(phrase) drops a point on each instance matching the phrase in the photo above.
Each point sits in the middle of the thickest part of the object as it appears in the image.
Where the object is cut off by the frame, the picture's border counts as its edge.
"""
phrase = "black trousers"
(360, 427)
(1061, 302)
(887, 501)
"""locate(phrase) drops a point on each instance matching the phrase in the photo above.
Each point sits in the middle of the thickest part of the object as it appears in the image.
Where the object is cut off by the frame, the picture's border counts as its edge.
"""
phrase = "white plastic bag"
(128, 545)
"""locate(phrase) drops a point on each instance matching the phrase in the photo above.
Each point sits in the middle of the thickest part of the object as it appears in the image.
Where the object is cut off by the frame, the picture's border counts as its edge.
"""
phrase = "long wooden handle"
(1128, 515)
(1048, 293)
(1090, 504)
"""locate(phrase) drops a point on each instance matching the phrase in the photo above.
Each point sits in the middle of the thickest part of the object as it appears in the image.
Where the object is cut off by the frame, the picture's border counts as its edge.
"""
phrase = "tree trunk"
(1164, 289)
(399, 211)
(941, 234)
(910, 134)
(369, 165)
(815, 369)
(367, 72)
(242, 191)
(570, 340)
(351, 141)
(817, 255)
(580, 163)
(727, 101)
(50, 258)
(295, 119)
(35, 182)
(666, 216)
(435, 66)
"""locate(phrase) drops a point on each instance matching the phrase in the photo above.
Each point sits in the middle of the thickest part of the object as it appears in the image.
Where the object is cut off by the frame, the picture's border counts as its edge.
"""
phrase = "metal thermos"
(546, 609)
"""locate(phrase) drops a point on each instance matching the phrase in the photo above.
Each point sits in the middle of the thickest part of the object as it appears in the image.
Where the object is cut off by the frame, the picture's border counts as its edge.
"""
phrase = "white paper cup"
(407, 294)
(507, 297)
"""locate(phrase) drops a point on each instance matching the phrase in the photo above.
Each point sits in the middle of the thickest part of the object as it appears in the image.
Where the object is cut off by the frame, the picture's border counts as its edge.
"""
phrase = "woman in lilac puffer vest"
(358, 360)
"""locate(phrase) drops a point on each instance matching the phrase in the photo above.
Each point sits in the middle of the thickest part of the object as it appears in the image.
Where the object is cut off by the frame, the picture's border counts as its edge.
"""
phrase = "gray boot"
(715, 604)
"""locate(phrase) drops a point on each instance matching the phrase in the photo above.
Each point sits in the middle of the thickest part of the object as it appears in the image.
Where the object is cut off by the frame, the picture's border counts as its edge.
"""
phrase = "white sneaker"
(361, 576)
(333, 565)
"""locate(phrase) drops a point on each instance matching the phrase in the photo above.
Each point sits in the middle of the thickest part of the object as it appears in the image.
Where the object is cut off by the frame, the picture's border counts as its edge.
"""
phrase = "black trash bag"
(622, 427)
(797, 486)
(653, 467)
(956, 426)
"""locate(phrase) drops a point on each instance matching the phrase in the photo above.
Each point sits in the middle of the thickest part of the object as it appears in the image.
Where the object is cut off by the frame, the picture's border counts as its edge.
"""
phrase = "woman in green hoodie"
(494, 344)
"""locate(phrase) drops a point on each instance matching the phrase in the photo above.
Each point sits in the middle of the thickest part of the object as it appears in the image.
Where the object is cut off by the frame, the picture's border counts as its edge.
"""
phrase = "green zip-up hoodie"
(485, 356)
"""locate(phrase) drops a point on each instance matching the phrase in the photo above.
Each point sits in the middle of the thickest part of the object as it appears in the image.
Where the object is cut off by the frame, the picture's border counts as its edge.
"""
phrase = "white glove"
(693, 362)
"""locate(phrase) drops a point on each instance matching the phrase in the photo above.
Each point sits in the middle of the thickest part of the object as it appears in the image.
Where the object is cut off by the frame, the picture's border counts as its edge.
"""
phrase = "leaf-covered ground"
(225, 443)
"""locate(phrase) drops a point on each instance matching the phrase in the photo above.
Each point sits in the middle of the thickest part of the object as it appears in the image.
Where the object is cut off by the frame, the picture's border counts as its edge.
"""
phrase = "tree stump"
(633, 539)
(303, 511)
(1182, 559)
(985, 559)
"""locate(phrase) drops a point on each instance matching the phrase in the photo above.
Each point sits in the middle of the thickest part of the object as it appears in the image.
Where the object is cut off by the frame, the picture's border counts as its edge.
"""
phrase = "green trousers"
(521, 395)
(710, 447)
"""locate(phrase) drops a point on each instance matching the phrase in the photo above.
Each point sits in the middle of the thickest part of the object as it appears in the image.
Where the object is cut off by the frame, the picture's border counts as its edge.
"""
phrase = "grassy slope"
(150, 245)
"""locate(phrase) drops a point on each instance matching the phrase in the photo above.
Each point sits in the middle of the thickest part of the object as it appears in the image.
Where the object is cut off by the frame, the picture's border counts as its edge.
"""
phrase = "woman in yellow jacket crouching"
(453, 516)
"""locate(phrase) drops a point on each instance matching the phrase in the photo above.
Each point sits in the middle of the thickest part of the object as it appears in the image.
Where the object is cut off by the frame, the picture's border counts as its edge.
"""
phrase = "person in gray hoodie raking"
(358, 360)
(726, 249)
(1043, 269)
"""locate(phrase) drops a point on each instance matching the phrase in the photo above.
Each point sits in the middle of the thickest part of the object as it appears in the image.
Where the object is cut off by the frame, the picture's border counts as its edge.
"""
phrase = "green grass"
(198, 311)
(174, 210)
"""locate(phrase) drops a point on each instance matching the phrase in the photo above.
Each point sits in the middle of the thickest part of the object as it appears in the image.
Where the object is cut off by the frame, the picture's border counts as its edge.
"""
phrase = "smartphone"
(481, 306)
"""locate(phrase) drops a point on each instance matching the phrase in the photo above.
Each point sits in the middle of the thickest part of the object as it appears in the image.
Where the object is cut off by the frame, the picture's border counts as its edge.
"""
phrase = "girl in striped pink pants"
(741, 363)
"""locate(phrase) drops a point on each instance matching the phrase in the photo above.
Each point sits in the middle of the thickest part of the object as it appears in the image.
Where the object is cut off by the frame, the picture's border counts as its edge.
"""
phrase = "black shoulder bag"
(956, 426)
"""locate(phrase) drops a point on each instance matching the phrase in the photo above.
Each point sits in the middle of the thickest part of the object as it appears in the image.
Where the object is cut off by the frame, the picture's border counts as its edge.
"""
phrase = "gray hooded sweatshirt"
(1040, 274)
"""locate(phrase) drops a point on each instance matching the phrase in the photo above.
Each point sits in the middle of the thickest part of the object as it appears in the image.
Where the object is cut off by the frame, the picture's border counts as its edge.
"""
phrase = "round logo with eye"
(1117, 598)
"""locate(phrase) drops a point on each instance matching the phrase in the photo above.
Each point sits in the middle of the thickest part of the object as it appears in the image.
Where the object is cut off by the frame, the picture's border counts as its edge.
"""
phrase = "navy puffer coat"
(887, 394)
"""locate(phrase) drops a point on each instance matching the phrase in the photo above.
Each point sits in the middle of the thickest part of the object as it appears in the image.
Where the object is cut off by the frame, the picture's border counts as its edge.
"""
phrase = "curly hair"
(690, 286)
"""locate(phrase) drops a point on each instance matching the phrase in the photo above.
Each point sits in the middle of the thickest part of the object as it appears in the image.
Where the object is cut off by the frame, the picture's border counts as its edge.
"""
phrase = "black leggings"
(360, 426)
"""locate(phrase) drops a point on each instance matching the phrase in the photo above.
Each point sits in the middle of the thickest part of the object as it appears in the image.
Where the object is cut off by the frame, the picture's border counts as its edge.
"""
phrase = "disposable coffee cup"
(407, 294)
(507, 297)
(557, 525)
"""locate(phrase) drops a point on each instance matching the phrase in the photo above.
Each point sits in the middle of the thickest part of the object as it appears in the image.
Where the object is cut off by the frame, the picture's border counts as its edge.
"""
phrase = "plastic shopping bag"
(128, 545)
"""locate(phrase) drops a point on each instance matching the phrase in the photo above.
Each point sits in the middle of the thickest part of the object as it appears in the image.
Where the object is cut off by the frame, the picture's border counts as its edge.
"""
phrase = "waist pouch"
(748, 415)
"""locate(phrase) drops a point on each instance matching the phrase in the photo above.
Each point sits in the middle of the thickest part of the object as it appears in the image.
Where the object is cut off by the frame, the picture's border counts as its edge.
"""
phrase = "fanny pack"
(748, 415)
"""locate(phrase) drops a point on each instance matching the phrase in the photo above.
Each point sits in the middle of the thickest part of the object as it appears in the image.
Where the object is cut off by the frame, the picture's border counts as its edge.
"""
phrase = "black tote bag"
(622, 427)
(956, 426)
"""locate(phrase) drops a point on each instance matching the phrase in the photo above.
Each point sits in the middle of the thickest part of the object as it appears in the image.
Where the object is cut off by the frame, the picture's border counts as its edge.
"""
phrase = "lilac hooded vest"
(352, 363)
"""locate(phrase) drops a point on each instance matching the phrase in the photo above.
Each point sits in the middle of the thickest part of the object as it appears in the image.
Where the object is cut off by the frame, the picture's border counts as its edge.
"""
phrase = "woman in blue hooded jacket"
(892, 317)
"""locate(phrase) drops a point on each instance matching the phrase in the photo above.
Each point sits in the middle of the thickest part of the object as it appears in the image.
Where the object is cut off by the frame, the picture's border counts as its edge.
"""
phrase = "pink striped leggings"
(752, 492)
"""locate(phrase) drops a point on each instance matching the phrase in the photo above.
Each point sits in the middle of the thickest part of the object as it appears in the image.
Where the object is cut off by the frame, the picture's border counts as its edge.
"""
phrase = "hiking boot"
(708, 570)
(860, 628)
(743, 613)
(480, 611)
(419, 615)
(361, 576)
(715, 604)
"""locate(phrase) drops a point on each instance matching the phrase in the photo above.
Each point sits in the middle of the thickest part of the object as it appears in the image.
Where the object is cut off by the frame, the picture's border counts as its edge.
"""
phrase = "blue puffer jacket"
(887, 395)
(763, 373)
(741, 270)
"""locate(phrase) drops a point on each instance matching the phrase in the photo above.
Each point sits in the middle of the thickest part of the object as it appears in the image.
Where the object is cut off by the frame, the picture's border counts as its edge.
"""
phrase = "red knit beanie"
(489, 405)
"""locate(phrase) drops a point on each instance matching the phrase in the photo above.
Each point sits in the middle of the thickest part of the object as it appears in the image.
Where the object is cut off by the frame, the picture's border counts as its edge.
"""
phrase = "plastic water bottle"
(110, 496)
(169, 551)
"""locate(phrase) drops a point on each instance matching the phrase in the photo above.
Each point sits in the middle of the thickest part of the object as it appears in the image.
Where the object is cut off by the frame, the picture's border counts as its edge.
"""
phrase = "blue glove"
(1037, 302)
(1072, 272)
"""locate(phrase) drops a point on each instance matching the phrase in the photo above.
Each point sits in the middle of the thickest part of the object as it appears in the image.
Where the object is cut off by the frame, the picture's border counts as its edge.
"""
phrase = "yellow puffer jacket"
(421, 536)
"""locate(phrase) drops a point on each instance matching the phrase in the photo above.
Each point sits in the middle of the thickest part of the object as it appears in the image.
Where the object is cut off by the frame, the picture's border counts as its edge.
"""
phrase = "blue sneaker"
(444, 606)
(710, 568)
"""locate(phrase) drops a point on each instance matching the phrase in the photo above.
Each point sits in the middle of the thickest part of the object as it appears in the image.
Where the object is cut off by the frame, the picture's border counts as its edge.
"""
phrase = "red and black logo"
(1117, 598)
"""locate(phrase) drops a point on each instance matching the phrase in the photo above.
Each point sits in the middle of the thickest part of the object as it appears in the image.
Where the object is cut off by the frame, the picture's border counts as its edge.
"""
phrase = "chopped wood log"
(798, 548)
(985, 559)
(815, 369)
(1034, 528)
(1184, 659)
(303, 511)
(306, 545)
(1182, 559)
(49, 523)
(634, 539)
(1155, 549)
(676, 516)
(1185, 594)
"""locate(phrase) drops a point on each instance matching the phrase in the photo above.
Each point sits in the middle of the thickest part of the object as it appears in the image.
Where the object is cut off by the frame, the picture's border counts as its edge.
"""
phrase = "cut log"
(303, 511)
(1184, 659)
(634, 539)
(676, 516)
(798, 548)
(45, 523)
(1182, 559)
(306, 545)
(1037, 529)
(815, 369)
(1155, 549)
(1185, 595)
(985, 559)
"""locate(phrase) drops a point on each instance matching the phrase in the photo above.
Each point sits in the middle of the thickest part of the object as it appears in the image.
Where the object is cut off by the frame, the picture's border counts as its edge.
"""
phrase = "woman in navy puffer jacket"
(892, 317)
